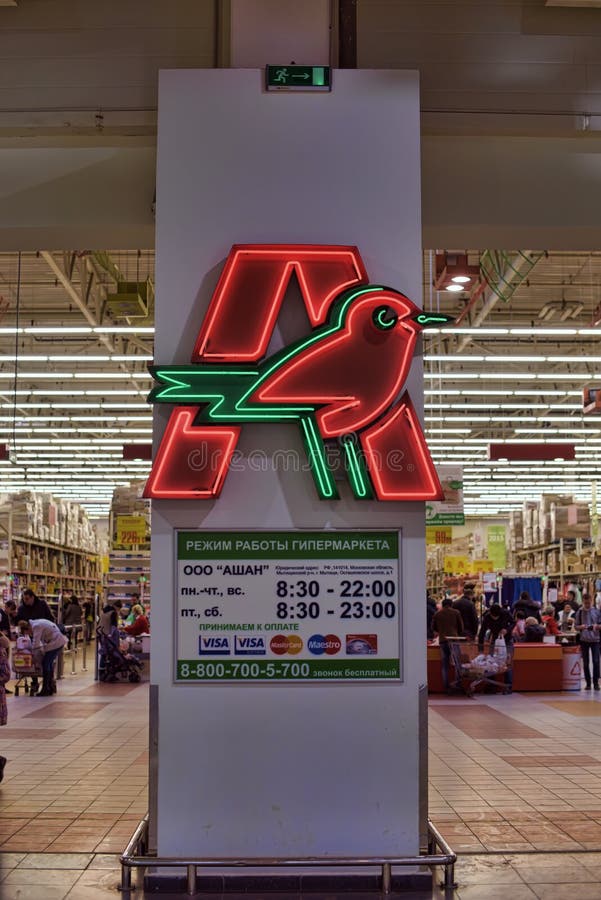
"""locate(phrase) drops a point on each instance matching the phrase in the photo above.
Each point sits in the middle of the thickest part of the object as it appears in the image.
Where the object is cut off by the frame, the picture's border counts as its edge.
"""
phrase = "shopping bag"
(500, 651)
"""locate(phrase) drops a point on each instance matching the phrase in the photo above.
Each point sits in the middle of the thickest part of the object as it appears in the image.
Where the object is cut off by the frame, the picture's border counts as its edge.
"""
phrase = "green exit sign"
(298, 78)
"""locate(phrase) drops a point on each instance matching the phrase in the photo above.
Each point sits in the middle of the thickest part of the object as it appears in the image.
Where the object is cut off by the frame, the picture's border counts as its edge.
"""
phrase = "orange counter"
(536, 667)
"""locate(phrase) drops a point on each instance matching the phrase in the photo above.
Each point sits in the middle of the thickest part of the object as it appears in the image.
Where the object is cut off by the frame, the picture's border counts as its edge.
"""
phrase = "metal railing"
(135, 856)
(76, 635)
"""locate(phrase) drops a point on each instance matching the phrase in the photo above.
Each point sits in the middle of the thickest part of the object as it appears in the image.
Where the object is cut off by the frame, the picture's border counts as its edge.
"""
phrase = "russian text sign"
(288, 606)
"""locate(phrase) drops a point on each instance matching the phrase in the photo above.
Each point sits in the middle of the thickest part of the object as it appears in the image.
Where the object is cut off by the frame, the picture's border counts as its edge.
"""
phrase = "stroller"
(113, 663)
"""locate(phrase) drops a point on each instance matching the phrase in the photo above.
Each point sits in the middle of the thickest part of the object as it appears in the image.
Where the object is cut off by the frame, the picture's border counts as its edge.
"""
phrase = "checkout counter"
(536, 667)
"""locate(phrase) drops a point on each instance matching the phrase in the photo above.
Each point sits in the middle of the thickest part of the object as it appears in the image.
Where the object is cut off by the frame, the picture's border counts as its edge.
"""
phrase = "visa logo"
(249, 646)
(214, 646)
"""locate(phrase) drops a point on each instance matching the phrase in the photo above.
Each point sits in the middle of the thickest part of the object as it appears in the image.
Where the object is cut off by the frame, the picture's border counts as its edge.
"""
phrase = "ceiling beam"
(74, 294)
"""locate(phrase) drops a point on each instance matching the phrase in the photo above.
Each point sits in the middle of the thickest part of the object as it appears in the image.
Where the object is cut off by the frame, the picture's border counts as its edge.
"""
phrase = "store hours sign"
(288, 606)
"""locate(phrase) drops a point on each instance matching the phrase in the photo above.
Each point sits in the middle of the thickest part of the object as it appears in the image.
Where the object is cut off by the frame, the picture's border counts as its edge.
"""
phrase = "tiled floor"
(516, 773)
(515, 787)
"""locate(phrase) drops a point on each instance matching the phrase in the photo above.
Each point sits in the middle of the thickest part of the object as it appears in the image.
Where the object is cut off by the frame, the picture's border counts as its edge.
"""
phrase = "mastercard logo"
(284, 643)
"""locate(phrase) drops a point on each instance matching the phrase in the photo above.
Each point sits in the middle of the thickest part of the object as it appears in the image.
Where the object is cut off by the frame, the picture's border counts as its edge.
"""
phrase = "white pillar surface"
(251, 770)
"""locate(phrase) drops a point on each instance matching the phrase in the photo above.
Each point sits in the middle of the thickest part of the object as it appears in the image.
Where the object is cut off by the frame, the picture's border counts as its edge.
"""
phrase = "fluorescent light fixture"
(461, 279)
(117, 329)
(58, 329)
(81, 358)
(454, 288)
(457, 359)
(532, 331)
(536, 331)
(518, 359)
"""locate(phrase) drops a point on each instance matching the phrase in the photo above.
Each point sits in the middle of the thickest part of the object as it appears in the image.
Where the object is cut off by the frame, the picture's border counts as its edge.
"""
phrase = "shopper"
(73, 613)
(4, 622)
(587, 622)
(110, 615)
(527, 605)
(33, 607)
(534, 631)
(4, 678)
(497, 622)
(10, 607)
(466, 608)
(520, 625)
(140, 625)
(47, 641)
(446, 623)
(570, 599)
(431, 610)
(72, 616)
(88, 617)
(549, 621)
(566, 619)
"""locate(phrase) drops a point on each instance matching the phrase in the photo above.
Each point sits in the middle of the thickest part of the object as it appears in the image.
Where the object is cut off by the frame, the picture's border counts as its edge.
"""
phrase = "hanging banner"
(489, 582)
(450, 510)
(496, 547)
(287, 606)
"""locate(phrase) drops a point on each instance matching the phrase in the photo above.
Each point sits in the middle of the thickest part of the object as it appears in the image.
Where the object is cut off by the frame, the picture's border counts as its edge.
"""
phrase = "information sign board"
(450, 510)
(288, 606)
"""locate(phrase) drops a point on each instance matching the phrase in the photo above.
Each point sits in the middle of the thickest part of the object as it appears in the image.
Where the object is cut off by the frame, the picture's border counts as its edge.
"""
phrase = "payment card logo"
(249, 646)
(361, 644)
(214, 646)
(329, 644)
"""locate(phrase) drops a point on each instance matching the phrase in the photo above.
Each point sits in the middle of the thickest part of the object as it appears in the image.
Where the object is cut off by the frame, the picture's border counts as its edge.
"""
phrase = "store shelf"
(129, 573)
(47, 568)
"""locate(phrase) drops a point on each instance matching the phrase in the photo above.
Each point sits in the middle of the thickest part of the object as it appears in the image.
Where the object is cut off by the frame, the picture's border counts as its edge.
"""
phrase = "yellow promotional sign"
(439, 534)
(457, 565)
(131, 530)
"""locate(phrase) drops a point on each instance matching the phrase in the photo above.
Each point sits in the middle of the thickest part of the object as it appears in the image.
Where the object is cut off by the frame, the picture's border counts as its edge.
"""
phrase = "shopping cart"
(23, 668)
(474, 668)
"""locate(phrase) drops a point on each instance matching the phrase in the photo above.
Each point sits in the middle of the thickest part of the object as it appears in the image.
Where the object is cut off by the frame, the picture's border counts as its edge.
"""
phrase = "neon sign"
(341, 383)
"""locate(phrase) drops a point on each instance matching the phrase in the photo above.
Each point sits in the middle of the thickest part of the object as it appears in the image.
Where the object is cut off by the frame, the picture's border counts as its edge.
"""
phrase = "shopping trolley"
(24, 668)
(476, 668)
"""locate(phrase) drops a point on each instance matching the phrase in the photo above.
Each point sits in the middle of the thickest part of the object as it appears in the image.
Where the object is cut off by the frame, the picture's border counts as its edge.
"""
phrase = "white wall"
(284, 769)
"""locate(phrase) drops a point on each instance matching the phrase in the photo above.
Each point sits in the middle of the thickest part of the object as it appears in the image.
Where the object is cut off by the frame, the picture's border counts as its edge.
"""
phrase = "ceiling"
(513, 370)
(73, 375)
(74, 378)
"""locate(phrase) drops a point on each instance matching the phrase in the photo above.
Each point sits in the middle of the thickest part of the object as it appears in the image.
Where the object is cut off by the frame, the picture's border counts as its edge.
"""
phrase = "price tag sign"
(131, 530)
(288, 606)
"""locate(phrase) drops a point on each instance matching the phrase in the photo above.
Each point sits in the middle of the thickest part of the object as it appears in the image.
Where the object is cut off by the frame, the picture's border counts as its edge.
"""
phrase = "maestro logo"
(329, 644)
(285, 643)
(342, 382)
